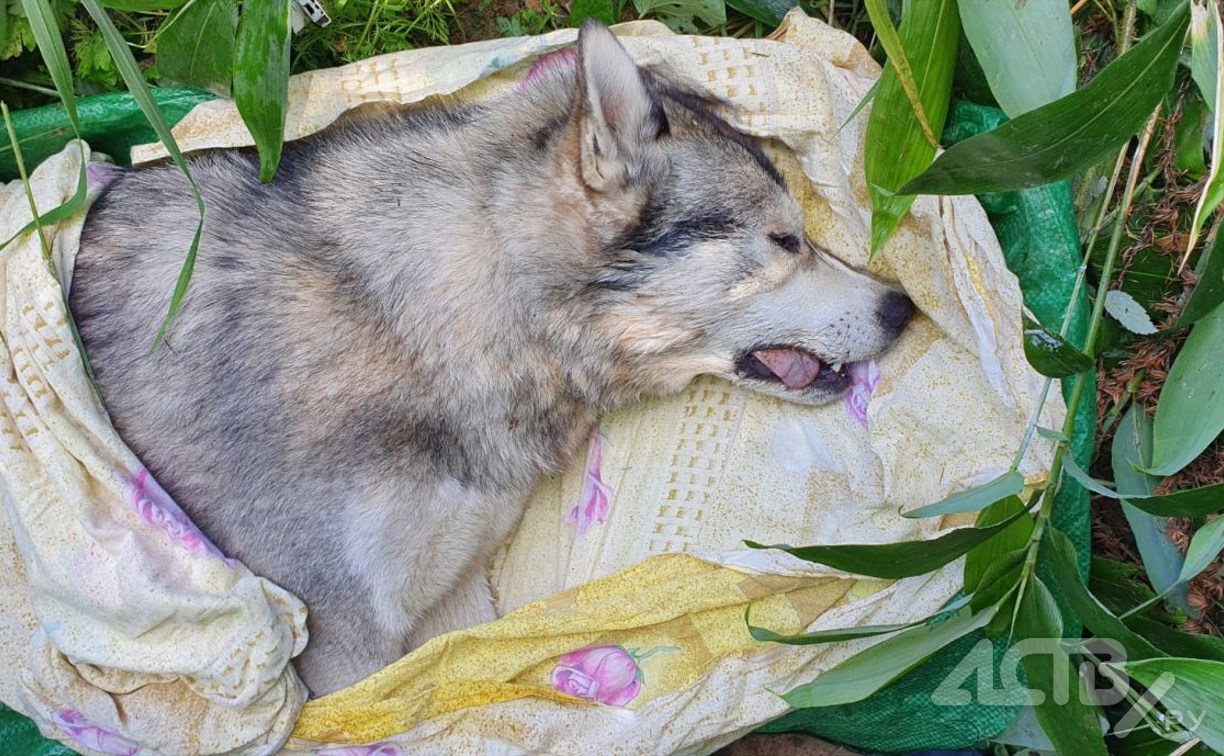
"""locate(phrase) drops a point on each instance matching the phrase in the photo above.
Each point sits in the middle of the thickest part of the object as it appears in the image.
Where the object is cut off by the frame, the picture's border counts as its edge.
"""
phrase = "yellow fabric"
(626, 583)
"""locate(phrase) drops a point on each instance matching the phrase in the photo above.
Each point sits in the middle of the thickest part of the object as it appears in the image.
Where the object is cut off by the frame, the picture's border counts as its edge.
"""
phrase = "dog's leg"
(469, 603)
(347, 644)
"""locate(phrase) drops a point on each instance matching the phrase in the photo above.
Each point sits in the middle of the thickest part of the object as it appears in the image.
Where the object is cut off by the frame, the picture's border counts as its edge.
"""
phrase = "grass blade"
(897, 560)
(129, 69)
(1069, 135)
(1026, 50)
(897, 147)
(1190, 411)
(1209, 291)
(1008, 484)
(837, 635)
(261, 78)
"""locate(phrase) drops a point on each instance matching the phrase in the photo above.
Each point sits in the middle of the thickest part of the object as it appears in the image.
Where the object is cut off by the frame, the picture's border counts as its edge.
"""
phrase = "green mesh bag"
(1036, 229)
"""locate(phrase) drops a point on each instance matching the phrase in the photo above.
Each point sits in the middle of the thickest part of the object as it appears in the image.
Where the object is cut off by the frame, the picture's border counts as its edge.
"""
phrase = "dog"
(384, 350)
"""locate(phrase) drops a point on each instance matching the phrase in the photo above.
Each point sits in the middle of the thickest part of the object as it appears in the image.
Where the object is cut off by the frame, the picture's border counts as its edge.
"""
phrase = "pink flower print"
(375, 749)
(596, 497)
(74, 724)
(864, 377)
(610, 675)
(156, 507)
(553, 61)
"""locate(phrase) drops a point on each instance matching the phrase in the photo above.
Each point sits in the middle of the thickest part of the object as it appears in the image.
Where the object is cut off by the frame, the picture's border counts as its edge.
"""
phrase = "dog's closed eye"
(788, 242)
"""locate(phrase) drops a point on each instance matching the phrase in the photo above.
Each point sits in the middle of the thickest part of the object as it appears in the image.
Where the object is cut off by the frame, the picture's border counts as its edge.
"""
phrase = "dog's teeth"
(837, 366)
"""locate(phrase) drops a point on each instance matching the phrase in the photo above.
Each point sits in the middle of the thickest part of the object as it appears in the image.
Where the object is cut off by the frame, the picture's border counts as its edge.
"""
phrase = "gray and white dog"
(385, 349)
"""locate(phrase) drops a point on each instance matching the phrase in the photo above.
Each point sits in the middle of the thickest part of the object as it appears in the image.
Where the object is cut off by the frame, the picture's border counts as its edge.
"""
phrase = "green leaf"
(1026, 49)
(896, 148)
(1123, 308)
(1071, 724)
(899, 61)
(142, 6)
(1205, 546)
(1206, 52)
(868, 671)
(995, 551)
(896, 560)
(1064, 138)
(1175, 642)
(1209, 291)
(1052, 355)
(1195, 690)
(134, 78)
(600, 10)
(998, 579)
(1190, 412)
(1189, 138)
(1131, 454)
(683, 15)
(1193, 502)
(261, 78)
(1009, 483)
(1059, 555)
(840, 634)
(1078, 474)
(768, 12)
(196, 48)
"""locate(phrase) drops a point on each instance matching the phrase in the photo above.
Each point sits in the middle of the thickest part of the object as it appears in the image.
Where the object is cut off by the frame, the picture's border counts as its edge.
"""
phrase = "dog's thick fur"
(385, 349)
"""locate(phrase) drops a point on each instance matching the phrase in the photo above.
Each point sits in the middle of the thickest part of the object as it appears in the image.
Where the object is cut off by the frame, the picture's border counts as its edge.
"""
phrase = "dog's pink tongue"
(794, 368)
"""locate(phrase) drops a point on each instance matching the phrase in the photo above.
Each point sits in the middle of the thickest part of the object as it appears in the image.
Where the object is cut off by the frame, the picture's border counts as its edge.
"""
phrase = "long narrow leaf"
(897, 149)
(129, 69)
(1061, 139)
(881, 21)
(261, 77)
(996, 551)
(1190, 411)
(1208, 293)
(1070, 723)
(897, 560)
(866, 672)
(1212, 83)
(1131, 454)
(1026, 49)
(1008, 484)
(1194, 691)
(840, 634)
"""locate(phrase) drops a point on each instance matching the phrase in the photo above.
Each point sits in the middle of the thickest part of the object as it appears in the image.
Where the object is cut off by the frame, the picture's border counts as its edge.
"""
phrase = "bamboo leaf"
(1209, 291)
(1008, 484)
(1194, 502)
(129, 69)
(891, 42)
(998, 550)
(1131, 454)
(1067, 136)
(1204, 547)
(897, 149)
(1078, 474)
(1071, 724)
(768, 12)
(1026, 49)
(196, 48)
(841, 634)
(1190, 411)
(897, 560)
(1050, 354)
(866, 672)
(1059, 555)
(1190, 686)
(261, 78)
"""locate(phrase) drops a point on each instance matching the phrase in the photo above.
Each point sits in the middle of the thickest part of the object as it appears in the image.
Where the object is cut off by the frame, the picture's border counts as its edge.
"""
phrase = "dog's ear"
(618, 117)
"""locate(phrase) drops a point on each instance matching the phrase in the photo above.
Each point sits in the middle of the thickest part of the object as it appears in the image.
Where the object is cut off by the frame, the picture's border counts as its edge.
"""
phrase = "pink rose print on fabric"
(610, 675)
(864, 377)
(156, 507)
(596, 497)
(375, 749)
(74, 724)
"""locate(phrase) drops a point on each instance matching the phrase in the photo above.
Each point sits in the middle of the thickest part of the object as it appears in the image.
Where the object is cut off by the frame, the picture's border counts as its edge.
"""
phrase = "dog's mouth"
(793, 368)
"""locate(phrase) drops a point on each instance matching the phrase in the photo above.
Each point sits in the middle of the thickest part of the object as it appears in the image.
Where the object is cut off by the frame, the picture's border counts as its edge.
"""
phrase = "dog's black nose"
(895, 311)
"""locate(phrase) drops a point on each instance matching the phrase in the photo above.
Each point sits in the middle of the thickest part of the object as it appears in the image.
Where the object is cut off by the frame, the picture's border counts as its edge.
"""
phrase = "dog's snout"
(895, 311)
